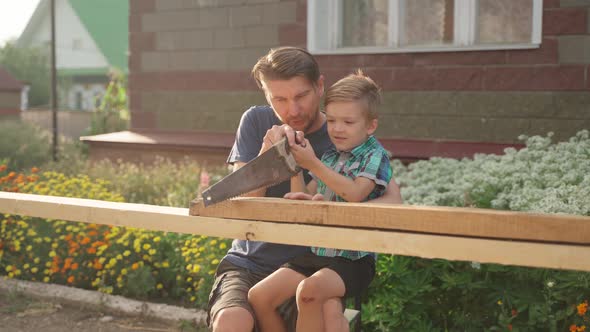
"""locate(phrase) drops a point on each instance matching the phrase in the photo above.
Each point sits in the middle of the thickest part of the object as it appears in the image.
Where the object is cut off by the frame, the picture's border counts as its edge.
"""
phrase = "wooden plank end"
(196, 207)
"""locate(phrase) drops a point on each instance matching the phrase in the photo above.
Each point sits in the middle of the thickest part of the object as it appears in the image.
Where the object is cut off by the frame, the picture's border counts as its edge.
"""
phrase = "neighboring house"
(458, 76)
(12, 94)
(91, 40)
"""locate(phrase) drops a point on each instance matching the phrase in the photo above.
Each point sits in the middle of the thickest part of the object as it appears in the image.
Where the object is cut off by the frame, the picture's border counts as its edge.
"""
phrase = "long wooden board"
(470, 222)
(523, 253)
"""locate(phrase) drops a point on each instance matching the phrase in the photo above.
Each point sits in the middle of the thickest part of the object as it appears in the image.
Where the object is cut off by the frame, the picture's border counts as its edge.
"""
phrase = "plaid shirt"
(369, 160)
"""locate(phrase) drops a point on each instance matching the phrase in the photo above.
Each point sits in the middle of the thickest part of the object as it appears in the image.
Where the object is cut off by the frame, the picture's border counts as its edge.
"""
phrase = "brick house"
(458, 76)
(12, 92)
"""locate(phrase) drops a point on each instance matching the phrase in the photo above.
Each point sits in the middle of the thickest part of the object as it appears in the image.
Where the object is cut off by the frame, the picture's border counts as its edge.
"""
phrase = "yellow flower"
(146, 246)
(26, 266)
(34, 270)
(52, 253)
(46, 279)
(157, 239)
(165, 264)
(29, 248)
(36, 260)
(159, 286)
(123, 272)
(126, 253)
(499, 302)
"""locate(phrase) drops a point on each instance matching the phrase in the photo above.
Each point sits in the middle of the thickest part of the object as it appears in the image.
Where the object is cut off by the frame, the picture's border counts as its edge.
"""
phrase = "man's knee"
(235, 319)
(258, 297)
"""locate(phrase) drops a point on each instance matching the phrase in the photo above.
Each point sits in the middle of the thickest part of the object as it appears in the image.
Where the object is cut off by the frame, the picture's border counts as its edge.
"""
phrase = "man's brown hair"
(285, 63)
(356, 87)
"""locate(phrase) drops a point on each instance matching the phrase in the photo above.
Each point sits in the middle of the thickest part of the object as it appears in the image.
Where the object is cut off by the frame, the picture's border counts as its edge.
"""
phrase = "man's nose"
(294, 108)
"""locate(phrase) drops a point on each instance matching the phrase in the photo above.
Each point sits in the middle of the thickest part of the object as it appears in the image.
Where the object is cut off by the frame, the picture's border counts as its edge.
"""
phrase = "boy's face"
(348, 125)
(296, 102)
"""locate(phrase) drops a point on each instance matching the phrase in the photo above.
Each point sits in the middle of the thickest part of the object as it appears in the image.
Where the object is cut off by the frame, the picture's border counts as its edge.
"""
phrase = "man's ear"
(320, 85)
(372, 126)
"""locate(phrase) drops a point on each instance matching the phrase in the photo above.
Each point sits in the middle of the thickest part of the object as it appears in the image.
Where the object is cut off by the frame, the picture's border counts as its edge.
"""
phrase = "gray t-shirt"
(262, 256)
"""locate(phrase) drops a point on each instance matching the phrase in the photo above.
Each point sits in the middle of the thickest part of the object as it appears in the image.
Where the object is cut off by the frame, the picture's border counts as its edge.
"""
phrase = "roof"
(8, 82)
(105, 20)
(107, 23)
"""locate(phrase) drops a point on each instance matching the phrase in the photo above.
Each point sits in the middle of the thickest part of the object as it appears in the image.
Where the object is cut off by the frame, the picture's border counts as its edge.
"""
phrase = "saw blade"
(274, 166)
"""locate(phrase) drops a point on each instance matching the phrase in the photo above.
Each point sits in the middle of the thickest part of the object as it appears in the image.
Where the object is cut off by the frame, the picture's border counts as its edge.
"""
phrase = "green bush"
(413, 294)
(24, 145)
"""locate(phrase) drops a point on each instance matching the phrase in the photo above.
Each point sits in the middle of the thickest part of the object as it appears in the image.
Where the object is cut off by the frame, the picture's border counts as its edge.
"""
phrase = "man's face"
(296, 102)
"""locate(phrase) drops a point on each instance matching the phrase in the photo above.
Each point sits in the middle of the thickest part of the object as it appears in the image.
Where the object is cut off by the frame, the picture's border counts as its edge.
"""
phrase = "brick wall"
(190, 62)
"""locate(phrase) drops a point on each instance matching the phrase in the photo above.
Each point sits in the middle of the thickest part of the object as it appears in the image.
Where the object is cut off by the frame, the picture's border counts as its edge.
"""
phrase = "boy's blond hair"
(285, 63)
(356, 87)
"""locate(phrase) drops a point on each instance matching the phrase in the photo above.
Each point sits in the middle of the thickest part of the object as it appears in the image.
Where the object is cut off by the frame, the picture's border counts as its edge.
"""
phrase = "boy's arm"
(350, 190)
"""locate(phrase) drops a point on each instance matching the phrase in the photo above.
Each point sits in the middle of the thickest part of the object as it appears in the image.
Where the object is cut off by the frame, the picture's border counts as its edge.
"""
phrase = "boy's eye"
(330, 120)
(349, 122)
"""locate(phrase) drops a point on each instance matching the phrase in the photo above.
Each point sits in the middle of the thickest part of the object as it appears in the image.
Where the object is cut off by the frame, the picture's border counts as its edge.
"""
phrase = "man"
(293, 87)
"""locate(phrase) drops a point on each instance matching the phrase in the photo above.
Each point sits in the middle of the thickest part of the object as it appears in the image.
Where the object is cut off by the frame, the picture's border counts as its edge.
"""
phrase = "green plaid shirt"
(369, 160)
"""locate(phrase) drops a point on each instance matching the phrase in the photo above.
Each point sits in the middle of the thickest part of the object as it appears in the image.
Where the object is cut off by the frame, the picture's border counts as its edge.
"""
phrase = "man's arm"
(392, 195)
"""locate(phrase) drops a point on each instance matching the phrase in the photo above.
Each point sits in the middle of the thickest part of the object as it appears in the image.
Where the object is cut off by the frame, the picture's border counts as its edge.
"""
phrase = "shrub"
(23, 145)
(436, 295)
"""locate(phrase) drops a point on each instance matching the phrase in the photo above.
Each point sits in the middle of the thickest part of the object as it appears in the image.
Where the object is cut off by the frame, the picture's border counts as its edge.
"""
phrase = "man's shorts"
(356, 274)
(231, 287)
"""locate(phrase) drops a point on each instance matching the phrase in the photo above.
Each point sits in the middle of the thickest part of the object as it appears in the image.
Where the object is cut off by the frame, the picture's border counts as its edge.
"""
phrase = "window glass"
(364, 23)
(504, 21)
(427, 22)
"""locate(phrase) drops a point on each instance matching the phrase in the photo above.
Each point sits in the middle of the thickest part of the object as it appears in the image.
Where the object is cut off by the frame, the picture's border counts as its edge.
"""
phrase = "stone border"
(104, 302)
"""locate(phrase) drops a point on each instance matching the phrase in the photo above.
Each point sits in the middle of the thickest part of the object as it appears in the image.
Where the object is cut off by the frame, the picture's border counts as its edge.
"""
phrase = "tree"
(30, 65)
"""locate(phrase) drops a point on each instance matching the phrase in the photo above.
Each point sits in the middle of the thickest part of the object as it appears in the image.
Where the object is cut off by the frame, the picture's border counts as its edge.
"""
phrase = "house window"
(389, 26)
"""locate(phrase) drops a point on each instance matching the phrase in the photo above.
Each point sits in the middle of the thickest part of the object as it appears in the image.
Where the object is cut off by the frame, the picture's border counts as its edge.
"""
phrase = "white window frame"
(323, 33)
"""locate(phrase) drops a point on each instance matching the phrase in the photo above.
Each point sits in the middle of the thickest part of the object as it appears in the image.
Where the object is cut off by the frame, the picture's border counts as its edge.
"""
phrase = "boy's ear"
(372, 126)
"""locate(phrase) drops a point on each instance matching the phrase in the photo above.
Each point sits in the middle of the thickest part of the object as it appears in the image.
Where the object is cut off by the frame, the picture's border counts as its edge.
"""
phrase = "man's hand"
(301, 196)
(276, 133)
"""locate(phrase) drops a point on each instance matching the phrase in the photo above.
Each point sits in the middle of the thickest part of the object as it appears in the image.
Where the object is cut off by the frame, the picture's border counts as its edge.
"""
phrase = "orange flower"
(34, 170)
(509, 327)
(582, 308)
(71, 279)
(74, 266)
(85, 240)
(68, 263)
(92, 233)
(68, 237)
(97, 265)
(11, 175)
(582, 328)
(573, 328)
(134, 266)
(91, 250)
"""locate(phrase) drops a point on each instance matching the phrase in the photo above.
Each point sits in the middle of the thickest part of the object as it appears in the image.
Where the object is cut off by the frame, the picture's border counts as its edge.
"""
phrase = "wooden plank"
(472, 222)
(523, 253)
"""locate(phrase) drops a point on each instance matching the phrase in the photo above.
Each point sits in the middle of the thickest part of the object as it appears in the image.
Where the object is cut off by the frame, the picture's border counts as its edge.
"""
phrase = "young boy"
(357, 170)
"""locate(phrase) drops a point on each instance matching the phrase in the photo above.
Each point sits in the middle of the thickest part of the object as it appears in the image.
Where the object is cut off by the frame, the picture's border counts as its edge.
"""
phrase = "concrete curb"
(104, 302)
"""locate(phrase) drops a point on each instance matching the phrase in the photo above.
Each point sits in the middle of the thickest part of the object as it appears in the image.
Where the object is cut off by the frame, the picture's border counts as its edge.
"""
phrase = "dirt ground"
(21, 313)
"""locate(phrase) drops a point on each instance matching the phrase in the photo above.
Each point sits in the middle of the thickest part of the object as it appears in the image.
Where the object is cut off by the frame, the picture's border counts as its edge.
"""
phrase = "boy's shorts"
(356, 274)
(231, 287)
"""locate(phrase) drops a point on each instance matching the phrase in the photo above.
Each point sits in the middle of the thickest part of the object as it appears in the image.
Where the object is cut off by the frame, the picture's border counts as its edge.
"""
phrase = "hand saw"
(273, 166)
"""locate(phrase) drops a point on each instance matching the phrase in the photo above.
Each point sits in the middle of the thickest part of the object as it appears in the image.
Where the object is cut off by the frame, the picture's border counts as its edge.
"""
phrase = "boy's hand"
(304, 154)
